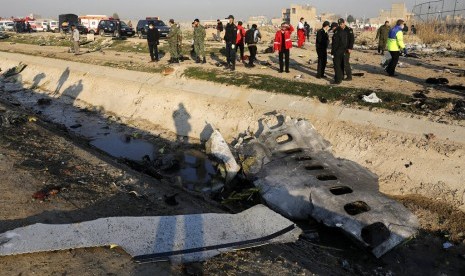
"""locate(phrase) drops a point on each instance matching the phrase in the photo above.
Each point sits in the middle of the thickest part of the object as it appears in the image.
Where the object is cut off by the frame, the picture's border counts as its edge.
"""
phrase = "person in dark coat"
(338, 50)
(230, 38)
(349, 47)
(153, 40)
(322, 43)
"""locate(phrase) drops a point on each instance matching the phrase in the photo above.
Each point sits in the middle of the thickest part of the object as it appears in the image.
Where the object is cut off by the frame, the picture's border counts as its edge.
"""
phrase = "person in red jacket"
(283, 44)
(301, 33)
(240, 39)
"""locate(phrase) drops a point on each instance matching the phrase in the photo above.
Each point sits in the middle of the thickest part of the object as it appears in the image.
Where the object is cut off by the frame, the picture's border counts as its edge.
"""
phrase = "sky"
(182, 10)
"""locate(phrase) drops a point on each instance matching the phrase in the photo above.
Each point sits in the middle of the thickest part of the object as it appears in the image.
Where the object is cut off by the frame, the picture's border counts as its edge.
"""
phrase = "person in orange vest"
(301, 33)
(240, 39)
(283, 44)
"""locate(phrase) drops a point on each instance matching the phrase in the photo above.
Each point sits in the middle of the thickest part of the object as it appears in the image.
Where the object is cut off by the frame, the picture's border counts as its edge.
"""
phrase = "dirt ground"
(40, 156)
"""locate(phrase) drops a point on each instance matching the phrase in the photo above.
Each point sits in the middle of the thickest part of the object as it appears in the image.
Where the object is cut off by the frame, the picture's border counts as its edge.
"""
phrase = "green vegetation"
(325, 93)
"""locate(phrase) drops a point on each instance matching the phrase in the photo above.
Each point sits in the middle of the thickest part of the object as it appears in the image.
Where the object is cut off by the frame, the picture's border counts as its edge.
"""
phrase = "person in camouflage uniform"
(174, 42)
(199, 41)
(382, 34)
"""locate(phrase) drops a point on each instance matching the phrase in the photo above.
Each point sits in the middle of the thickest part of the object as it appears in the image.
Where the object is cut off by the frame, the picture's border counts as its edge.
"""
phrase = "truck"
(92, 21)
(66, 20)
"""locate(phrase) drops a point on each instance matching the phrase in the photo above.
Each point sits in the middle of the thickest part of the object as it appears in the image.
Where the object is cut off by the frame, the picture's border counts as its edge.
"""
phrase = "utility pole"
(455, 7)
(442, 9)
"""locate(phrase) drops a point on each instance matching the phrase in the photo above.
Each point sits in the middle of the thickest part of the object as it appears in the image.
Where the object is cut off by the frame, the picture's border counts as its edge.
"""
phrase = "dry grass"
(436, 32)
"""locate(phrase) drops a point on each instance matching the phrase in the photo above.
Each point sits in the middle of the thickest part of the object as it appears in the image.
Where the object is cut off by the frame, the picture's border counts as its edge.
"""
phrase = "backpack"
(250, 36)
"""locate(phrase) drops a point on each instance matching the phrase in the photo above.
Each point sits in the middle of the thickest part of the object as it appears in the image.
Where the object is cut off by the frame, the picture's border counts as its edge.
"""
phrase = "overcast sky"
(188, 9)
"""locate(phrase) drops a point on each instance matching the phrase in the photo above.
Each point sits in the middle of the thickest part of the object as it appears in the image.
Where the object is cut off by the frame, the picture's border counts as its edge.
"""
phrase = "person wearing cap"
(75, 39)
(395, 45)
(382, 36)
(338, 49)
(301, 33)
(283, 44)
(252, 36)
(322, 43)
(230, 38)
(199, 41)
(240, 40)
(153, 40)
(219, 29)
(174, 42)
(350, 46)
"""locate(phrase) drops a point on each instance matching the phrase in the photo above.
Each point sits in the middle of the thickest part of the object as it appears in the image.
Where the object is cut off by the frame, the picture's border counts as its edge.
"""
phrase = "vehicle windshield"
(124, 25)
(156, 23)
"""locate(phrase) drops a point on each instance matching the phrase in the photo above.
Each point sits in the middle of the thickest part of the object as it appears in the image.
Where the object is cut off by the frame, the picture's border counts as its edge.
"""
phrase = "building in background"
(293, 14)
(397, 11)
(259, 20)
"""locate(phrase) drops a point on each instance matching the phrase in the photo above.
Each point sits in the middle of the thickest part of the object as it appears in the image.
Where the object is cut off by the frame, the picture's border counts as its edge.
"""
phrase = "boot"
(204, 60)
(197, 60)
(233, 67)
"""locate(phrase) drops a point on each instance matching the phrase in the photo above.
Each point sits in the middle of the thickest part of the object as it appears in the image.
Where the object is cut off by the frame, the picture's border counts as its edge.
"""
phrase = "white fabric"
(76, 35)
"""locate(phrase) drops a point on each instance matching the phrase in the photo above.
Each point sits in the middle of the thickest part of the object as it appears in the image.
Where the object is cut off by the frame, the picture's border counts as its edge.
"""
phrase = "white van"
(54, 26)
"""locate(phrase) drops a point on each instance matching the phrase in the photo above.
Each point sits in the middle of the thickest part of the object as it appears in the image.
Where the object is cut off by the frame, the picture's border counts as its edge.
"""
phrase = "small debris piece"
(437, 81)
(171, 200)
(372, 98)
(430, 136)
(447, 245)
(358, 74)
(15, 70)
(44, 101)
(75, 126)
(218, 147)
(408, 165)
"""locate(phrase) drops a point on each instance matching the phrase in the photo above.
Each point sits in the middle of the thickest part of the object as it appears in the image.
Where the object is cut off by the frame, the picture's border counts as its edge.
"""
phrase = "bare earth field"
(39, 155)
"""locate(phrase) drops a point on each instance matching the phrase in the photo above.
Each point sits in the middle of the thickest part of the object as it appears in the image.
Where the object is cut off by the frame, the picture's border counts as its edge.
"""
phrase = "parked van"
(53, 26)
(7, 26)
(92, 21)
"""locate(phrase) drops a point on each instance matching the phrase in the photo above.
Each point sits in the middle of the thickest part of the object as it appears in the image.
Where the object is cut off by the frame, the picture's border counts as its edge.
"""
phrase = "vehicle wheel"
(102, 33)
(92, 32)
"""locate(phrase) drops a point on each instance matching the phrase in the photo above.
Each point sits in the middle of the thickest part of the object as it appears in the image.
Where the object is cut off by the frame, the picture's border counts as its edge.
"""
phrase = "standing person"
(301, 33)
(28, 27)
(252, 36)
(130, 24)
(338, 50)
(382, 36)
(240, 39)
(307, 30)
(405, 29)
(199, 41)
(230, 38)
(153, 40)
(219, 29)
(283, 44)
(349, 47)
(395, 45)
(413, 30)
(322, 43)
(75, 39)
(174, 41)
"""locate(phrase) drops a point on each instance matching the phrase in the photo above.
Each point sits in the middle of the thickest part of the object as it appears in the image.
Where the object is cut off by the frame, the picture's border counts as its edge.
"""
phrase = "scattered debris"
(171, 200)
(430, 136)
(167, 71)
(457, 87)
(454, 64)
(358, 74)
(183, 238)
(44, 101)
(12, 87)
(459, 109)
(47, 192)
(15, 70)
(75, 126)
(408, 165)
(372, 98)
(300, 177)
(412, 55)
(299, 77)
(437, 81)
(447, 245)
(218, 147)
(11, 118)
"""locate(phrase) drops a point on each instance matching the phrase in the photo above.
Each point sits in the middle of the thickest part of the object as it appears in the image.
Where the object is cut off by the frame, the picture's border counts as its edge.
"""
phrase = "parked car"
(109, 27)
(82, 29)
(7, 26)
(45, 26)
(36, 26)
(53, 26)
(143, 25)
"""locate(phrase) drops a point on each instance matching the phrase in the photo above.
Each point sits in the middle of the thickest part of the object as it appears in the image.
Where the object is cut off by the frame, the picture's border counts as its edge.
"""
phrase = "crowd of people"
(236, 38)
